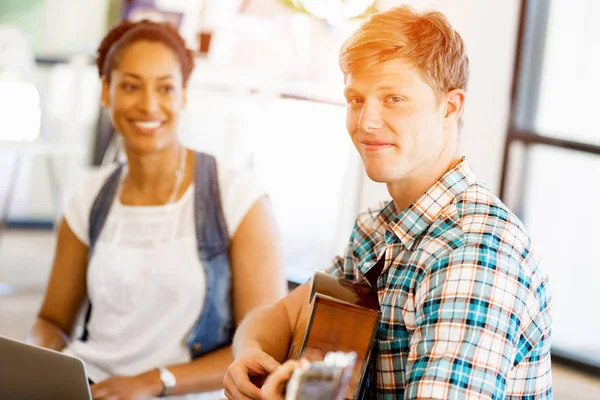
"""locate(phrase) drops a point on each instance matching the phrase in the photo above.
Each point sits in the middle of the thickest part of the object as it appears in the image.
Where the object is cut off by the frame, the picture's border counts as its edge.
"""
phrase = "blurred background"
(266, 95)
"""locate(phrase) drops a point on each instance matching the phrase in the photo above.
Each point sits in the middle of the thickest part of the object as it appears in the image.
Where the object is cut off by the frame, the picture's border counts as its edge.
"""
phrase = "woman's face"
(145, 96)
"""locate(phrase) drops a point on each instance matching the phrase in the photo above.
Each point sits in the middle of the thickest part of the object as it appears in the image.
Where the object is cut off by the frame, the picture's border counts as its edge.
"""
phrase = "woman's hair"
(427, 40)
(126, 33)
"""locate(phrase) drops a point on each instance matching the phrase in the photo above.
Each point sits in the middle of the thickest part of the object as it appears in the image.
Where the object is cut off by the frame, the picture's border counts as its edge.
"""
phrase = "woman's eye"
(129, 87)
(167, 89)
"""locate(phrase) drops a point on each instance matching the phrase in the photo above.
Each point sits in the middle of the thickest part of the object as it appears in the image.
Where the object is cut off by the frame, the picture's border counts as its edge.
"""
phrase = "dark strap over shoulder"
(214, 327)
(211, 229)
(369, 390)
(101, 207)
(98, 215)
(373, 274)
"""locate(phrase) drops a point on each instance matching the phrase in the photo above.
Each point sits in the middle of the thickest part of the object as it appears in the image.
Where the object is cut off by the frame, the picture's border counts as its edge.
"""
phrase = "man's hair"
(426, 40)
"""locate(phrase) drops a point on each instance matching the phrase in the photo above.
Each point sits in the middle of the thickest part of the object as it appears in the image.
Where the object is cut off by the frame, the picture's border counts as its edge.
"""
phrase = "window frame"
(527, 76)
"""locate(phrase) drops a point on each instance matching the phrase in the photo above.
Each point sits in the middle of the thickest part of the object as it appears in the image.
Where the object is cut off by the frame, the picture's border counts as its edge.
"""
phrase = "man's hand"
(252, 365)
(274, 387)
(141, 387)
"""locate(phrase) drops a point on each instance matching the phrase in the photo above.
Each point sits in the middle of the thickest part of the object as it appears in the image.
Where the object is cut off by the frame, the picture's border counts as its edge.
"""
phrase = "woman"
(171, 249)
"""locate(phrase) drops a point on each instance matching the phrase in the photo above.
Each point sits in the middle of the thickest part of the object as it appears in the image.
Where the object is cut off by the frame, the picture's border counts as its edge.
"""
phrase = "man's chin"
(379, 175)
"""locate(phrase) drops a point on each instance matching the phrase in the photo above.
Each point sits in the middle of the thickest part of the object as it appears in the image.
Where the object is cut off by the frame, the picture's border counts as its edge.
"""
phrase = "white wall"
(74, 25)
(489, 29)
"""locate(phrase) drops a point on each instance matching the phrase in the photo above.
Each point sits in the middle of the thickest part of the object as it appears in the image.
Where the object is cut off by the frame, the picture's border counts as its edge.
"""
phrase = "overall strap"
(102, 205)
(98, 215)
(214, 327)
(211, 229)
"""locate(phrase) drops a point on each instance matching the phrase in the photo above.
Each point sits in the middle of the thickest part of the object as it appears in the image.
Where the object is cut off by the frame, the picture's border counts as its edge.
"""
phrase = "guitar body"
(342, 316)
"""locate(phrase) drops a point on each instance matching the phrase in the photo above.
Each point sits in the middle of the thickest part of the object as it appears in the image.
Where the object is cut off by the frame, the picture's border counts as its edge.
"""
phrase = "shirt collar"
(408, 225)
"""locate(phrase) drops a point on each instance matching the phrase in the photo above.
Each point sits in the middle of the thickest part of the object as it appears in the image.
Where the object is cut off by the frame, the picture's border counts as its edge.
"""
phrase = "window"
(560, 208)
(553, 144)
(568, 100)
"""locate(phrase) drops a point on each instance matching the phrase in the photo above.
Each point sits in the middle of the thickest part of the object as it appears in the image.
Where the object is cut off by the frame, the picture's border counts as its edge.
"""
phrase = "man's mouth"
(373, 145)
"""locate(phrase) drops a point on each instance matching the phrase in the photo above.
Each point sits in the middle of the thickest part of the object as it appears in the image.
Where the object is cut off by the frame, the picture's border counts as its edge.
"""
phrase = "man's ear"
(455, 102)
(105, 94)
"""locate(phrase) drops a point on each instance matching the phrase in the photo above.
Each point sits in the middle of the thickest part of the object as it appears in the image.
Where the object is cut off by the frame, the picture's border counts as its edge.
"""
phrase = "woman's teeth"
(148, 124)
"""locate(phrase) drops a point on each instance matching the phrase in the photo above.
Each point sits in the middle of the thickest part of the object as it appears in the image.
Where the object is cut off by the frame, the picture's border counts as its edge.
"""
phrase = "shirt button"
(196, 347)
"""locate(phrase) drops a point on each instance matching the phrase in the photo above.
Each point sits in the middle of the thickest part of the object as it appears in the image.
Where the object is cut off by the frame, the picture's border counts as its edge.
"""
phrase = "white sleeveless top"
(145, 279)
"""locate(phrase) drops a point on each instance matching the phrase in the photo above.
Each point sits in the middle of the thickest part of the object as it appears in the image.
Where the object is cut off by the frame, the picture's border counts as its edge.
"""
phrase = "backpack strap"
(98, 215)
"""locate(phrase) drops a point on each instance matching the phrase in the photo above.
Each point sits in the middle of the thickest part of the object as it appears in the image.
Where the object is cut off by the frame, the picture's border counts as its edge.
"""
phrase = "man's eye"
(394, 99)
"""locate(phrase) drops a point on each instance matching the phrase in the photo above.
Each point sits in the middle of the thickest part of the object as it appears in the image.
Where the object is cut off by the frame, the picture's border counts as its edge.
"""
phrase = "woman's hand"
(140, 387)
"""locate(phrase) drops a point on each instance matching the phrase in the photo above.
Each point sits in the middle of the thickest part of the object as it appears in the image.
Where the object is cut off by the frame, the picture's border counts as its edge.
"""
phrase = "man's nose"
(370, 117)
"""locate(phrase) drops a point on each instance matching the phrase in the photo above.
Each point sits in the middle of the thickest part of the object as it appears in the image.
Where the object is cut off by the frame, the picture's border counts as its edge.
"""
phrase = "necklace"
(179, 175)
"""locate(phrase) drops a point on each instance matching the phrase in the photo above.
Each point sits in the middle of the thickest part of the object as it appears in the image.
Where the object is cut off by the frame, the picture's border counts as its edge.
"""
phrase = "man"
(465, 305)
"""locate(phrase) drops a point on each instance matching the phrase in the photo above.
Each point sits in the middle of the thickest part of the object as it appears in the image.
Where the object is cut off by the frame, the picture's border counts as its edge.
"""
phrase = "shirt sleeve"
(336, 268)
(471, 309)
(78, 202)
(239, 191)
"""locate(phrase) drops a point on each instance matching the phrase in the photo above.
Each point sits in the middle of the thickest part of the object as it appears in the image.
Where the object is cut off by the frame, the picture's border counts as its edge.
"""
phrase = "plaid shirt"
(465, 305)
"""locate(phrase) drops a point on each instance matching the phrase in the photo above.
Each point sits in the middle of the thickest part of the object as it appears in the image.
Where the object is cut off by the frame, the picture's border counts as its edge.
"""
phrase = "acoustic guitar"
(342, 317)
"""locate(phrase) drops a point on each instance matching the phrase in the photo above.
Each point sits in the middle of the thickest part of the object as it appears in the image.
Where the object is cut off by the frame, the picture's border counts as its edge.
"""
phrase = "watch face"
(167, 377)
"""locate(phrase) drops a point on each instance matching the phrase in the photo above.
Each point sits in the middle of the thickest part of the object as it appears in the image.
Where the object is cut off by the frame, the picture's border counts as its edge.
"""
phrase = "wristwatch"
(168, 380)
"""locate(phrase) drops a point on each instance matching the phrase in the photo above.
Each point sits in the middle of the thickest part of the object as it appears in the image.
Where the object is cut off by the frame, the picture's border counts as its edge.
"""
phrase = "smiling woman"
(172, 249)
(145, 95)
(144, 69)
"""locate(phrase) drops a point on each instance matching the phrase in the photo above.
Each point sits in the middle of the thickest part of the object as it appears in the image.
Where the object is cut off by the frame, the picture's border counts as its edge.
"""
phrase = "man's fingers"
(284, 372)
(240, 377)
(274, 387)
(267, 363)
(235, 395)
(241, 382)
(228, 385)
(232, 393)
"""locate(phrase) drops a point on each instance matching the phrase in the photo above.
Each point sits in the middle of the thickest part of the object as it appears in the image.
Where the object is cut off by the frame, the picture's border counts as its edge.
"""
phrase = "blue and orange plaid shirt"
(465, 304)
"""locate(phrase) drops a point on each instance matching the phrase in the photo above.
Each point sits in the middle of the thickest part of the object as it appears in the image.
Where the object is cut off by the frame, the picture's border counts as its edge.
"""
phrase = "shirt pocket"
(397, 314)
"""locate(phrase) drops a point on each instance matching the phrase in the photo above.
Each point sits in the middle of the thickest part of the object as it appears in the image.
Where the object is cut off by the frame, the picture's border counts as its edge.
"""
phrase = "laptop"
(31, 372)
